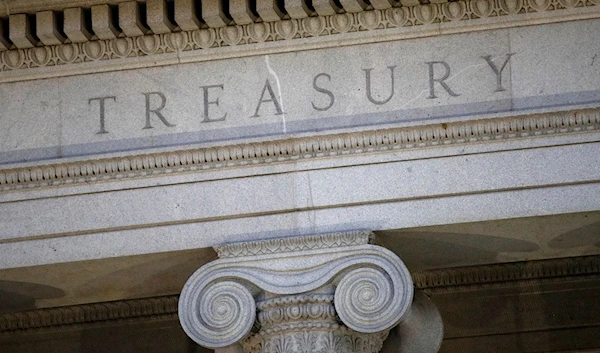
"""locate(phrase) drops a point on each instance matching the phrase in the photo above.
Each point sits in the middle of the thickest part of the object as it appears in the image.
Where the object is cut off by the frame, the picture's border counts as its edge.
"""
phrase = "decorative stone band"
(123, 310)
(370, 286)
(166, 163)
(105, 45)
(441, 279)
(312, 307)
(502, 274)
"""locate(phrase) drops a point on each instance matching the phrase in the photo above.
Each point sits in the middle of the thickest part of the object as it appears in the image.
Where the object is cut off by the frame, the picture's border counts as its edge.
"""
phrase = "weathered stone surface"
(450, 129)
(185, 15)
(391, 190)
(213, 14)
(241, 12)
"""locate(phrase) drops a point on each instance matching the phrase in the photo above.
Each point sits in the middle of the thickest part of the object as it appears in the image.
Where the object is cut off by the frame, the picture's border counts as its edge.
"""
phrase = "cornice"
(166, 306)
(136, 309)
(264, 153)
(508, 272)
(28, 61)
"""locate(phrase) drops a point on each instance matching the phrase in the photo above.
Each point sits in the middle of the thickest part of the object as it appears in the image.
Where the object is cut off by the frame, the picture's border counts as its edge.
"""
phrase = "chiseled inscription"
(437, 74)
(207, 103)
(272, 98)
(102, 109)
(325, 91)
(156, 111)
(368, 86)
(439, 80)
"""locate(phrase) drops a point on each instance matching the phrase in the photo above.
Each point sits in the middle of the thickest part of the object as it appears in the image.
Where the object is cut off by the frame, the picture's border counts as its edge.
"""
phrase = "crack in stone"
(274, 74)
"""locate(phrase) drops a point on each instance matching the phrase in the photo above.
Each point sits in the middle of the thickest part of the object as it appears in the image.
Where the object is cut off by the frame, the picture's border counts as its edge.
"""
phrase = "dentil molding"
(504, 274)
(105, 45)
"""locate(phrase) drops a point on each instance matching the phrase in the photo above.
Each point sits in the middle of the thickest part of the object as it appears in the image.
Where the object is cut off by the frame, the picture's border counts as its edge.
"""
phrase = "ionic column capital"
(327, 289)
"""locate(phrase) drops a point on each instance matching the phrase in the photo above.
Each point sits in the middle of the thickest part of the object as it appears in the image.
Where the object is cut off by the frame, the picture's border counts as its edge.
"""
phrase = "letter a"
(272, 98)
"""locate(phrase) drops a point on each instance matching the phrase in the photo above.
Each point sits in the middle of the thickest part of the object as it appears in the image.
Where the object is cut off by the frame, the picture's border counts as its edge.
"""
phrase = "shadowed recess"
(422, 250)
(588, 235)
(17, 296)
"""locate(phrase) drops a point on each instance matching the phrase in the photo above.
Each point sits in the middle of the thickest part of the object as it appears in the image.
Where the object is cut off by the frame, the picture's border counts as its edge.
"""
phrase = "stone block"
(326, 7)
(20, 31)
(240, 12)
(185, 15)
(75, 27)
(410, 2)
(130, 20)
(213, 15)
(354, 5)
(47, 28)
(297, 8)
(269, 10)
(157, 16)
(382, 4)
(103, 23)
(435, 79)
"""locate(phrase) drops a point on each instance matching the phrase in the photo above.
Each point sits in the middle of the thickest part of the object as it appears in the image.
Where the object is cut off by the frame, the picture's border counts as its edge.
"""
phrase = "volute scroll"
(220, 314)
(333, 292)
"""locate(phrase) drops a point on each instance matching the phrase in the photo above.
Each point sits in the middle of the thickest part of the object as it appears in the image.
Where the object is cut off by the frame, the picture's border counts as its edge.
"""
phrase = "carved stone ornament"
(164, 45)
(325, 293)
(276, 151)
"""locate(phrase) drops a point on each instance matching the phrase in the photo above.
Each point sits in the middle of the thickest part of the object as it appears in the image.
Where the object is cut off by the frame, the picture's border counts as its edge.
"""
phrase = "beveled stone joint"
(323, 293)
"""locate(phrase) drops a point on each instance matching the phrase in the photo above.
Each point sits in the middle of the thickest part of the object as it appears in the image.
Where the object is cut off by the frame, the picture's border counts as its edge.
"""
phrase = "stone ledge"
(163, 163)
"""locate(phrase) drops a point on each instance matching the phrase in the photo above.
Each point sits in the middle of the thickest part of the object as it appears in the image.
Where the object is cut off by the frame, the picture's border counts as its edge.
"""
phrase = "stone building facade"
(300, 176)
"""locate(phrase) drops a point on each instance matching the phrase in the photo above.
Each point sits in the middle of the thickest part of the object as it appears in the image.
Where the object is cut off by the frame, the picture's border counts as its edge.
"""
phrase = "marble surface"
(495, 176)
(520, 183)
(60, 117)
(333, 191)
